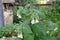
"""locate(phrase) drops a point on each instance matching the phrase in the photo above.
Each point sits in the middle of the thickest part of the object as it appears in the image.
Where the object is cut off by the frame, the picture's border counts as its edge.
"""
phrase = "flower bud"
(37, 21)
(33, 22)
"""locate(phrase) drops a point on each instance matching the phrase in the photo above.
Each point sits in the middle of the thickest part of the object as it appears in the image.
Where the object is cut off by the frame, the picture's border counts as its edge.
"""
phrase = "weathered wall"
(8, 17)
(7, 11)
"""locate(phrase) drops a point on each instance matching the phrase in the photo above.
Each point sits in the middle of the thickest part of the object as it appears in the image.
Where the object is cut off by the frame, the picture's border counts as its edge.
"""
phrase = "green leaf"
(38, 29)
(27, 31)
(48, 38)
(42, 15)
(51, 25)
(28, 37)
(25, 11)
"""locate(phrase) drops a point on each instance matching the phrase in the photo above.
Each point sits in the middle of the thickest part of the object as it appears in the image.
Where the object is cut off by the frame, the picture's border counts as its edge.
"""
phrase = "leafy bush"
(13, 38)
(52, 13)
(25, 1)
(33, 25)
(42, 29)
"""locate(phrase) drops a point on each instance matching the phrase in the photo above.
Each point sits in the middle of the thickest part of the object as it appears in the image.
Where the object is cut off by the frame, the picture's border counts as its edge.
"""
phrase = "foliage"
(52, 13)
(25, 1)
(35, 31)
(15, 17)
(5, 30)
(33, 25)
(13, 38)
(32, 31)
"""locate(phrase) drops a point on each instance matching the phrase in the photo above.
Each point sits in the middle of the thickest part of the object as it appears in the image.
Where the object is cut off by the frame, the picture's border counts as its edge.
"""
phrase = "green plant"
(7, 31)
(41, 30)
(25, 1)
(11, 38)
(33, 25)
(52, 13)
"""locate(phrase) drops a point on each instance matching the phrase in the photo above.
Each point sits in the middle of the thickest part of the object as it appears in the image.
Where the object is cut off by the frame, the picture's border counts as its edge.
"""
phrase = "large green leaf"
(28, 37)
(48, 38)
(51, 25)
(41, 14)
(38, 29)
(26, 31)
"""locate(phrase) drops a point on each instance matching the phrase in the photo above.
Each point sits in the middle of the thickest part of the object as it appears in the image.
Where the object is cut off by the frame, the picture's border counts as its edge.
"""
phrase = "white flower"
(37, 21)
(55, 29)
(47, 31)
(20, 35)
(4, 38)
(33, 21)
(19, 16)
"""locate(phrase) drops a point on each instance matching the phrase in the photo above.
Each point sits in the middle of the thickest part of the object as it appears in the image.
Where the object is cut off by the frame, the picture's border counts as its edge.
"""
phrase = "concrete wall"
(8, 13)
(8, 17)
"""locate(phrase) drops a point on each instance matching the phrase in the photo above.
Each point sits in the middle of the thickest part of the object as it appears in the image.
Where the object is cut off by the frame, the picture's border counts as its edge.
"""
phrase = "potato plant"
(32, 25)
(35, 26)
